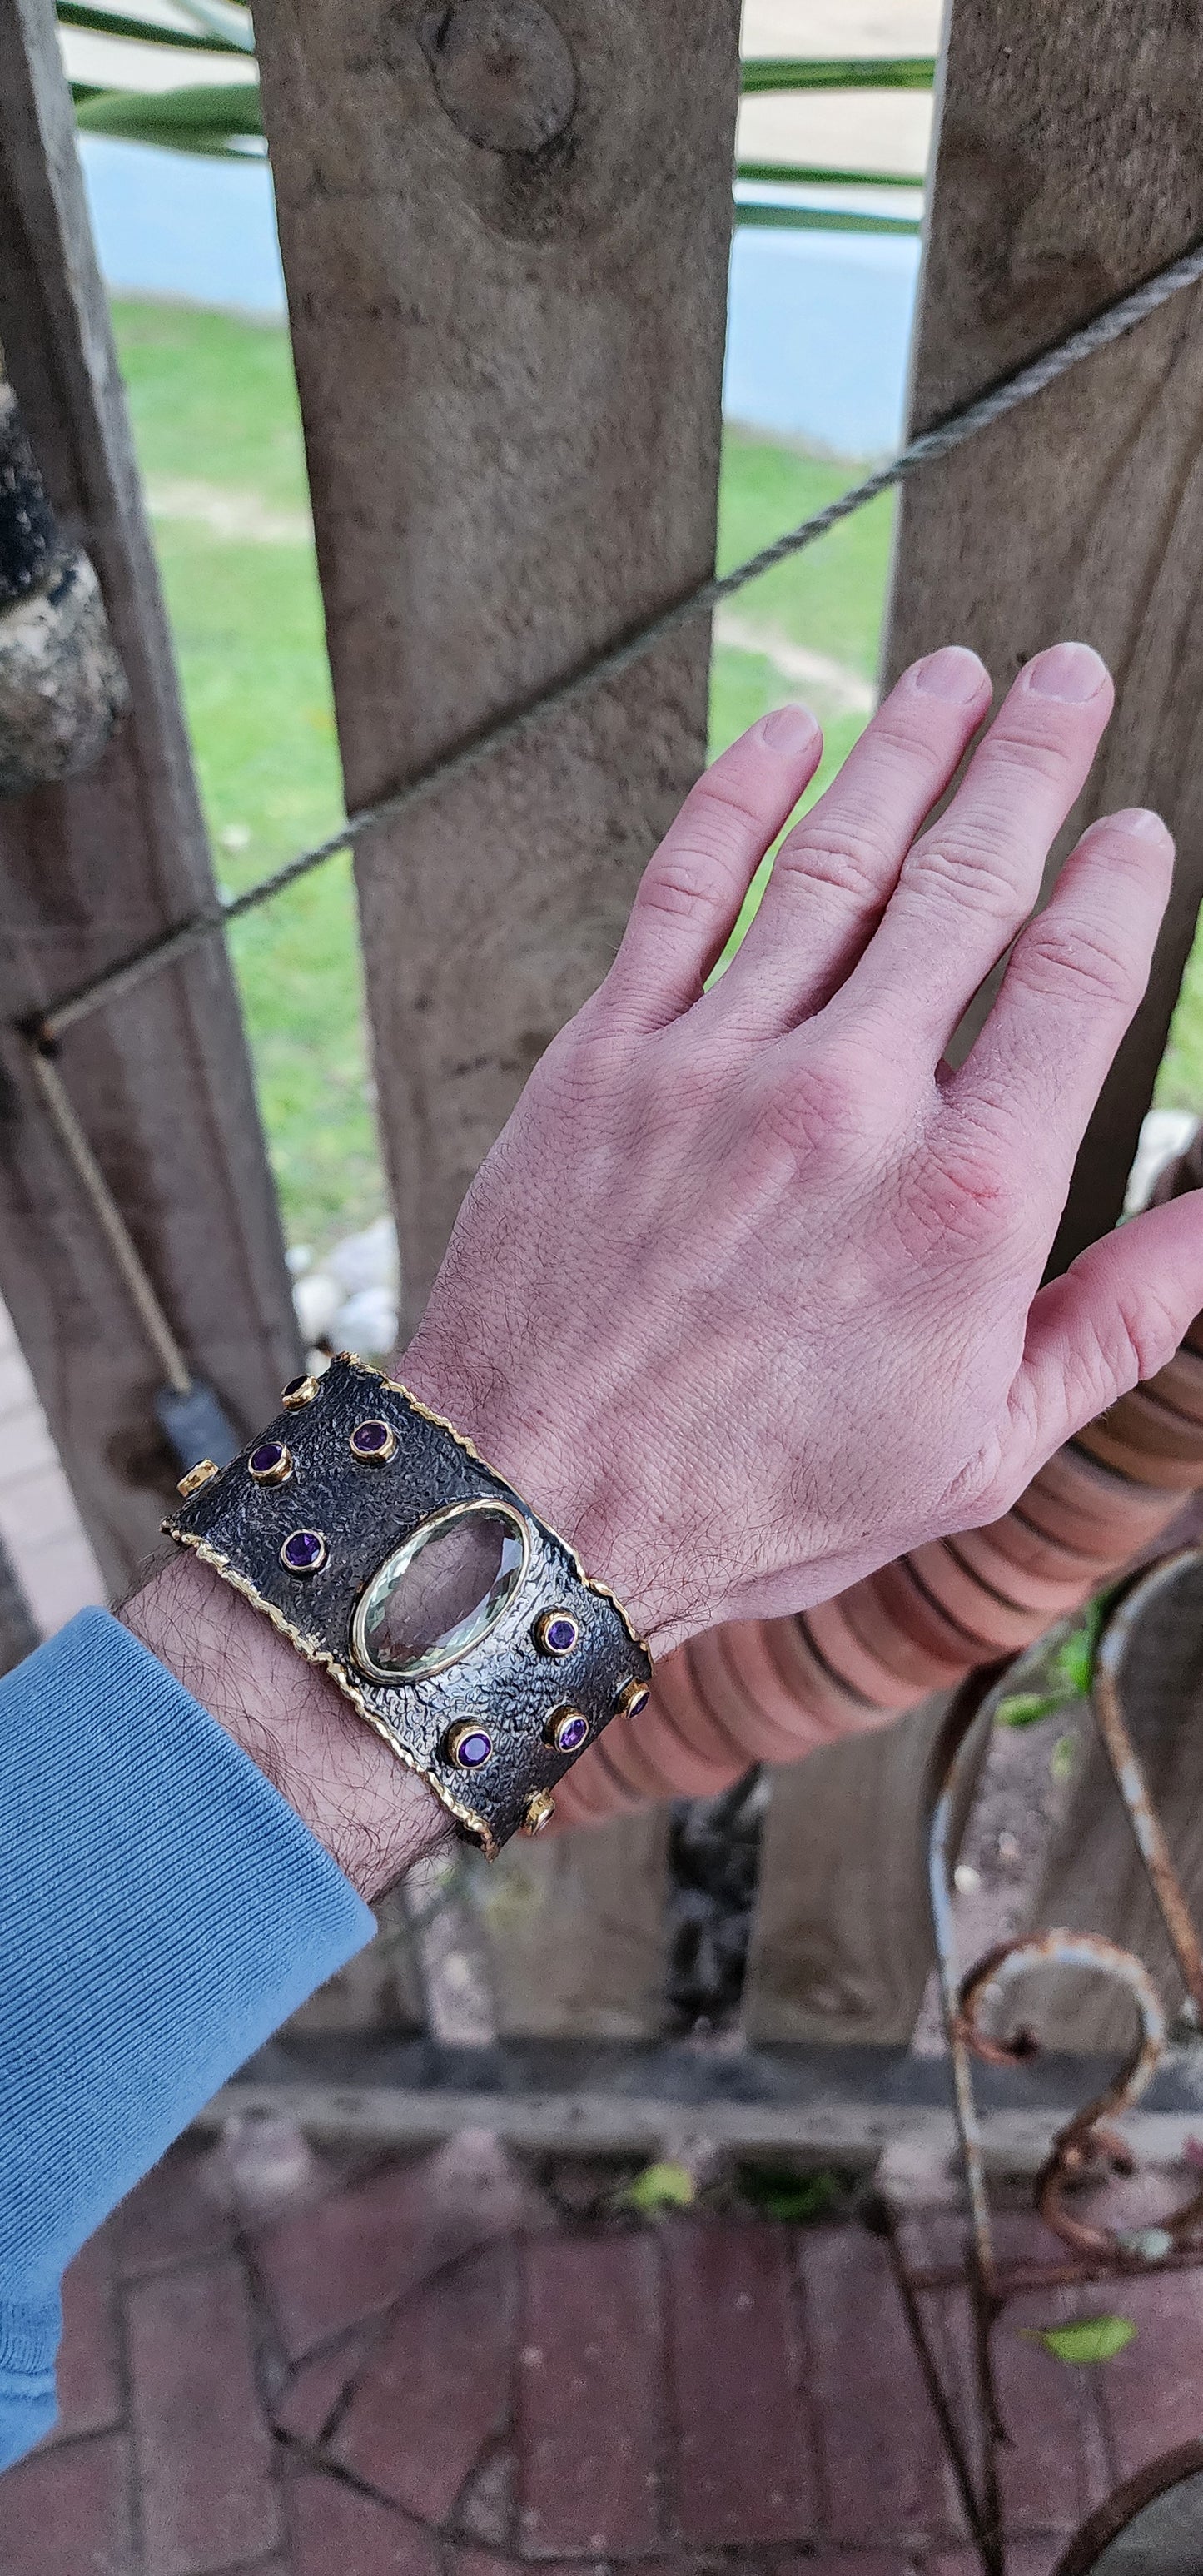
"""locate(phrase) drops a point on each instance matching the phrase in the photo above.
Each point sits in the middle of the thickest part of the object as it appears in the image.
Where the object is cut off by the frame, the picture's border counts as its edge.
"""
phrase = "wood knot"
(503, 70)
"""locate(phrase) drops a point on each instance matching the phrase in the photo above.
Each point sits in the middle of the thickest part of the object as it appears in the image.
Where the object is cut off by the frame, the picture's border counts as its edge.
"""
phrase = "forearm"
(374, 1817)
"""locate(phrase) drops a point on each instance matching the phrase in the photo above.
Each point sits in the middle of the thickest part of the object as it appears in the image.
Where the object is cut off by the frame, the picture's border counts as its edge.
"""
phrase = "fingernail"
(954, 673)
(1071, 672)
(788, 729)
(1141, 822)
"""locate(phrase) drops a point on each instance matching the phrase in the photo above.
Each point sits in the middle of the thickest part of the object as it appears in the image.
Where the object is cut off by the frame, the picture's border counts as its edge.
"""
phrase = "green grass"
(214, 406)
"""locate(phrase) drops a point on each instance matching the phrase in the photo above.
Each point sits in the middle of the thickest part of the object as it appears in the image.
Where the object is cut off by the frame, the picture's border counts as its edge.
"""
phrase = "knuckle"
(1060, 953)
(681, 882)
(855, 863)
(1024, 756)
(967, 868)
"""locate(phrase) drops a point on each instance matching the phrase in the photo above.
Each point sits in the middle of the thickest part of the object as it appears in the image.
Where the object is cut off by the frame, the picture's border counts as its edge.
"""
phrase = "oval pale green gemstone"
(441, 1592)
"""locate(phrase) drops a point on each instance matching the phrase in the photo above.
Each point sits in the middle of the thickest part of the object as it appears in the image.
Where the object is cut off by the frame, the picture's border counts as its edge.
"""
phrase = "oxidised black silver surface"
(507, 1688)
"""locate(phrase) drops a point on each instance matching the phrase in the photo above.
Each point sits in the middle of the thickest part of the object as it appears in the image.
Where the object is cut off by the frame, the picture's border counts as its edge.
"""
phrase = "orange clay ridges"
(771, 1690)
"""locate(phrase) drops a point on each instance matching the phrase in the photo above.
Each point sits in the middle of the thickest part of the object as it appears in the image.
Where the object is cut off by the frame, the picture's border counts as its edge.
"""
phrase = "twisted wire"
(45, 1028)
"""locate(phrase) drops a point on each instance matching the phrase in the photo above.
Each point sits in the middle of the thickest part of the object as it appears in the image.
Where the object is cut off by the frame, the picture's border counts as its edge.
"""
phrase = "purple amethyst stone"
(268, 1458)
(296, 1386)
(570, 1732)
(369, 1439)
(303, 1551)
(561, 1635)
(473, 1749)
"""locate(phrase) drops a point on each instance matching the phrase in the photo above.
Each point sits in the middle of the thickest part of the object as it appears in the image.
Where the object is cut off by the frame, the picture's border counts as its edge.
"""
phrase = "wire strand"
(610, 664)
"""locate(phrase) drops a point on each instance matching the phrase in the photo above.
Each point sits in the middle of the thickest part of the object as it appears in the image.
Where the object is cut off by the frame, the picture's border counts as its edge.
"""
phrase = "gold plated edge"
(397, 1386)
(476, 1825)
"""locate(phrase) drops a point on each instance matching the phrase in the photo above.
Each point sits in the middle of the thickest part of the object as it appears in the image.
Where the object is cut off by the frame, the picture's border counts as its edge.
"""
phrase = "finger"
(973, 878)
(1070, 989)
(1116, 1317)
(837, 869)
(689, 899)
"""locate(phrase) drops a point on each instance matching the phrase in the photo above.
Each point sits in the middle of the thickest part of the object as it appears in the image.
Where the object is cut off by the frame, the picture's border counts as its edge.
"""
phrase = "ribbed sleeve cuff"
(163, 1910)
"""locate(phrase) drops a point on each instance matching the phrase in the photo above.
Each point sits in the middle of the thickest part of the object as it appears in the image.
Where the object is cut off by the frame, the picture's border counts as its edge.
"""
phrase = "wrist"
(374, 1816)
(569, 1471)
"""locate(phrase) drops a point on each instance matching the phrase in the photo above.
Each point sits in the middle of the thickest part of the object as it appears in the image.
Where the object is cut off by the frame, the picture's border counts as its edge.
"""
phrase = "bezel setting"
(567, 1730)
(470, 1745)
(299, 1539)
(469, 1632)
(632, 1699)
(270, 1463)
(300, 1390)
(556, 1632)
(373, 1443)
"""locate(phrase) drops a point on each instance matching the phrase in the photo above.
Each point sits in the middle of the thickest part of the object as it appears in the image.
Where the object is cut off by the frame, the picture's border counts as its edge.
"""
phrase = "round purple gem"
(303, 1552)
(474, 1749)
(295, 1386)
(369, 1438)
(561, 1635)
(571, 1733)
(269, 1455)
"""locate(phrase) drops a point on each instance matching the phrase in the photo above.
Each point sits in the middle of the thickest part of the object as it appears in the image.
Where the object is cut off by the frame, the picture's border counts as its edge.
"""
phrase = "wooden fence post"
(95, 868)
(1066, 171)
(505, 231)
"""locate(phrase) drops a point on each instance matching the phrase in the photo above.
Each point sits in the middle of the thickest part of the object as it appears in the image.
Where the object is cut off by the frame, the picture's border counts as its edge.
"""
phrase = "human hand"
(746, 1297)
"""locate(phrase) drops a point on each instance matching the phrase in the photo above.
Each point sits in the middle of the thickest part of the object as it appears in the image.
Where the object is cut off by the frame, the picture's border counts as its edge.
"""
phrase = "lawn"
(215, 420)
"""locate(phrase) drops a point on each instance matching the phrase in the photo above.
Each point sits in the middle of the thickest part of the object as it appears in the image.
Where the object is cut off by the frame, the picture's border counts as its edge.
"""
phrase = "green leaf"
(781, 2194)
(198, 119)
(761, 72)
(1087, 2341)
(1025, 1708)
(1063, 1758)
(659, 2187)
(1073, 1662)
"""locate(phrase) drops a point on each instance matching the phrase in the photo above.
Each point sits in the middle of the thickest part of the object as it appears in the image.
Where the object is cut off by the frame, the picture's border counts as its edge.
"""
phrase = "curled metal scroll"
(1085, 2139)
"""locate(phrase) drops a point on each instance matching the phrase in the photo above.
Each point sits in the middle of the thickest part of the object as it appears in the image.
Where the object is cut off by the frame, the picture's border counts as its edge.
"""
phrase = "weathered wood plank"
(577, 1932)
(505, 237)
(1070, 165)
(90, 870)
(842, 1942)
(505, 232)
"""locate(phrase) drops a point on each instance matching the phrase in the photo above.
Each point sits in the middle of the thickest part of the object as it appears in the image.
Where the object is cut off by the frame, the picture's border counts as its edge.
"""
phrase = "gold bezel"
(425, 1668)
(632, 1699)
(303, 1391)
(197, 1478)
(561, 1717)
(373, 1457)
(458, 1734)
(277, 1474)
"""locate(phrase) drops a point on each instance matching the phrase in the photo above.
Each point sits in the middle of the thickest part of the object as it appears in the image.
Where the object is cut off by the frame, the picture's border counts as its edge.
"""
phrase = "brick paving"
(334, 2364)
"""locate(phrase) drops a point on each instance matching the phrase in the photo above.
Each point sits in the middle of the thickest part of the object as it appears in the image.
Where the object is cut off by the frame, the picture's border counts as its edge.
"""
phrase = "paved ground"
(312, 2367)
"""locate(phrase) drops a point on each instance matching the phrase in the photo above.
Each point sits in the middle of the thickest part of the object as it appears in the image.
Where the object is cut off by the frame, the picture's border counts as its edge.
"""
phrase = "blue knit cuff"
(162, 1910)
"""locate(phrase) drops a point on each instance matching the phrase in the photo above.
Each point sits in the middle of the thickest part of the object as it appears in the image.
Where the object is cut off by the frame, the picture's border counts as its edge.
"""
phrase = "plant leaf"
(1087, 2341)
(796, 2196)
(1025, 1708)
(1063, 1757)
(202, 118)
(659, 2187)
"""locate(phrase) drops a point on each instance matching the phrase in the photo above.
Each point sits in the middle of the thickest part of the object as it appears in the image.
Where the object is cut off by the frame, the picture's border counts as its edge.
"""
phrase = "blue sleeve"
(162, 1910)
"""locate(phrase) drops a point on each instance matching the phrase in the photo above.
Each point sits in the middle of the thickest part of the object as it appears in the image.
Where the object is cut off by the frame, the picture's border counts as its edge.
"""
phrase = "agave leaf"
(198, 119)
(1087, 2341)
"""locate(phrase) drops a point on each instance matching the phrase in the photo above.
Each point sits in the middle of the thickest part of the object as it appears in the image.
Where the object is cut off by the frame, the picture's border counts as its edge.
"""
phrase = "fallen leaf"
(1088, 2340)
(659, 2187)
